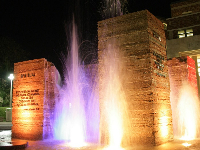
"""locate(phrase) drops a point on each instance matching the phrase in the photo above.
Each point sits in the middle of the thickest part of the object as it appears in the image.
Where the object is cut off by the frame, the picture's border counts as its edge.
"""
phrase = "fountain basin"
(13, 144)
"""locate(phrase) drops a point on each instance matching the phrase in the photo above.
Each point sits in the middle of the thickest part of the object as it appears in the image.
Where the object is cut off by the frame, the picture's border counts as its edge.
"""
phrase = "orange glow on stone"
(32, 103)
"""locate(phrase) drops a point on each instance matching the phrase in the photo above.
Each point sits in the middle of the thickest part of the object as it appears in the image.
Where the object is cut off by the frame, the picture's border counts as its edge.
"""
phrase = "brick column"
(140, 38)
(181, 71)
(34, 95)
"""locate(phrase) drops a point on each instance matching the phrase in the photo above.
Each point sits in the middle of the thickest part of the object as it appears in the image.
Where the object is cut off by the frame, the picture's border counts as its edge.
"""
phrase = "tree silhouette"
(10, 53)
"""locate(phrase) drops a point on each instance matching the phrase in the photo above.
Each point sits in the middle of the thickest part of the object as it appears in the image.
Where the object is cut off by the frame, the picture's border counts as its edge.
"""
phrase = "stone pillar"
(182, 72)
(34, 95)
(141, 40)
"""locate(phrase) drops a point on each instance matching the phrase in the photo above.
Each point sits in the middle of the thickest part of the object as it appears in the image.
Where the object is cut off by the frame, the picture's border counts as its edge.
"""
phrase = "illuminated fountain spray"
(188, 113)
(77, 108)
(112, 8)
(113, 100)
(76, 111)
(184, 98)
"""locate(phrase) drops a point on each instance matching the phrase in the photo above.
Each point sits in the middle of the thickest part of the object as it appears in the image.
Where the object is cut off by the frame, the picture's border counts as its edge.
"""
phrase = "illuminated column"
(197, 58)
(33, 99)
(183, 84)
(141, 39)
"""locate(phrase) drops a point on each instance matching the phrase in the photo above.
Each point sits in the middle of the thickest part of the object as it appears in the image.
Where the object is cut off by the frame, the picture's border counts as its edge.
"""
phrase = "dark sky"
(39, 25)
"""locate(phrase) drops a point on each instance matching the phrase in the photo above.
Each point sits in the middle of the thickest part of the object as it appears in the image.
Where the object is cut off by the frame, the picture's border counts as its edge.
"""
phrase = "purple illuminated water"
(76, 112)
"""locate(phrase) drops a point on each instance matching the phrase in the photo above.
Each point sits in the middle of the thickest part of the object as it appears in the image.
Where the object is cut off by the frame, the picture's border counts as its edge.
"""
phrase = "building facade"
(183, 32)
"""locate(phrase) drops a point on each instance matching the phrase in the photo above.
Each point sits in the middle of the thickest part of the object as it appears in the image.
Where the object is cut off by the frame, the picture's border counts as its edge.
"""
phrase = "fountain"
(188, 113)
(184, 98)
(133, 87)
(113, 101)
(144, 77)
(76, 112)
(124, 102)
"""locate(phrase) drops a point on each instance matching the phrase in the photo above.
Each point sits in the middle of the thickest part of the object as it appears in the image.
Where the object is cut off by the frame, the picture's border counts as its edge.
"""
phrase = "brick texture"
(33, 99)
(140, 38)
(178, 8)
(181, 69)
(181, 21)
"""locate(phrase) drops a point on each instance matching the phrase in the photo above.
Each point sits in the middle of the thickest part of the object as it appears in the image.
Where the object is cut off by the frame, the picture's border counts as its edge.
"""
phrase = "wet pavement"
(175, 145)
(5, 136)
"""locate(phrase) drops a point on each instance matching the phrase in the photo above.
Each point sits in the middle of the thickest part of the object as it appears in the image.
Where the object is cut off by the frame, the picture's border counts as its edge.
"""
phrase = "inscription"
(160, 74)
(159, 64)
(26, 98)
(24, 75)
(156, 35)
(159, 61)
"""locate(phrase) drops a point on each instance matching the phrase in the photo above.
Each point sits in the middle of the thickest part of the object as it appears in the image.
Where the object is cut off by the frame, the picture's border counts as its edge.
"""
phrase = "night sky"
(42, 27)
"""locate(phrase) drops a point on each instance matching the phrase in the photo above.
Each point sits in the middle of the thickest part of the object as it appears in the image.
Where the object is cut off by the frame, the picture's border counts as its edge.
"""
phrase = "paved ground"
(5, 136)
(175, 145)
(5, 125)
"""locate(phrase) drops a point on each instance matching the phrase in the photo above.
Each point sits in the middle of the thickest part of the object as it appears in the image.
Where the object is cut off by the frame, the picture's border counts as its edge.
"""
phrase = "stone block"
(34, 95)
(140, 39)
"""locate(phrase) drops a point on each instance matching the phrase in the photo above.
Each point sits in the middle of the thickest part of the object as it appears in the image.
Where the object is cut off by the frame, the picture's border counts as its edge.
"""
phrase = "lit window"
(189, 32)
(181, 33)
(185, 33)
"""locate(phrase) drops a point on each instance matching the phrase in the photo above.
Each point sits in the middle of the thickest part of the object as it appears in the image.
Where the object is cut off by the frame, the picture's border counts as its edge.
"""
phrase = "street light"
(11, 77)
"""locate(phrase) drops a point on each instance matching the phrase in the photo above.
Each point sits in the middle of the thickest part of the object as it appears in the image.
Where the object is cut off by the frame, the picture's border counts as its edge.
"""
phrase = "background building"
(183, 32)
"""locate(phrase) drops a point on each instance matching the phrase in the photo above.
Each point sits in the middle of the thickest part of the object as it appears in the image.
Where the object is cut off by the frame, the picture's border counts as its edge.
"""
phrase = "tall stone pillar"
(183, 79)
(140, 38)
(34, 96)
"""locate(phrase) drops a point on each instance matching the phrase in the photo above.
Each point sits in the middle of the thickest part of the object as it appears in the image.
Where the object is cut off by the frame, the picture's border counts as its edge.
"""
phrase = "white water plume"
(114, 101)
(188, 113)
(76, 115)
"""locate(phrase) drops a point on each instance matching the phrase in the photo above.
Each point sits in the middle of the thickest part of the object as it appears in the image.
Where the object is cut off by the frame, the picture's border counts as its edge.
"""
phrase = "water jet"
(131, 100)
